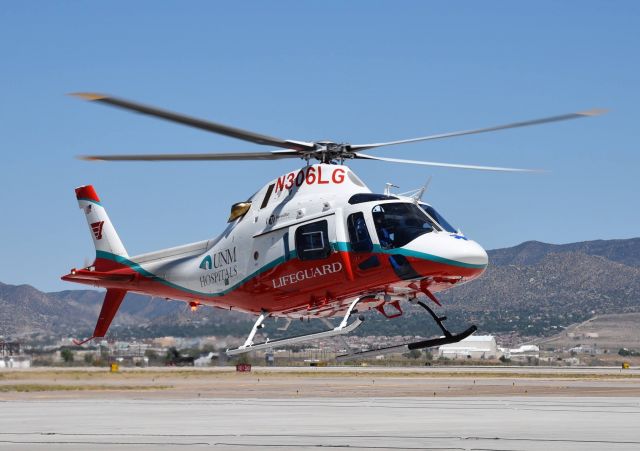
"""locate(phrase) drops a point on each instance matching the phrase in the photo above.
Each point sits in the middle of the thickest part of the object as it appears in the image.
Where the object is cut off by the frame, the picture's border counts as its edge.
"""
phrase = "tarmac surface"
(528, 410)
(378, 423)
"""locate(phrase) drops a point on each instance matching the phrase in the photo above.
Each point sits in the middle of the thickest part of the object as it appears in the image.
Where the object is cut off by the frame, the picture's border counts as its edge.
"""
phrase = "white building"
(523, 353)
(473, 347)
(11, 357)
(18, 361)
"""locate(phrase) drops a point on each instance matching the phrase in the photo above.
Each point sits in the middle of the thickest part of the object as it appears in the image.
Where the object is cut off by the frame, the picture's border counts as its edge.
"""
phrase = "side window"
(358, 233)
(312, 241)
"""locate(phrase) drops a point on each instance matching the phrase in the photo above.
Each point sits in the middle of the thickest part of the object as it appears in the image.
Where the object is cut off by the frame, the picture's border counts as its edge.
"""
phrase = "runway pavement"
(487, 423)
(355, 408)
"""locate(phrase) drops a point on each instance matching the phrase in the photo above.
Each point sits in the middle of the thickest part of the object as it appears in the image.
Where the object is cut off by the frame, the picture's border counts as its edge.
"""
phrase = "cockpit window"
(358, 233)
(399, 223)
(438, 218)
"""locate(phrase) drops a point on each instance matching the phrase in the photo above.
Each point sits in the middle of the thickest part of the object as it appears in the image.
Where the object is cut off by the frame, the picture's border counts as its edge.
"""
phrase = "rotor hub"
(331, 152)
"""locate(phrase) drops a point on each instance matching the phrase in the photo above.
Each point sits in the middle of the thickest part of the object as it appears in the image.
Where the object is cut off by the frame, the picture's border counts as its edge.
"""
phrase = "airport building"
(11, 357)
(524, 353)
(473, 347)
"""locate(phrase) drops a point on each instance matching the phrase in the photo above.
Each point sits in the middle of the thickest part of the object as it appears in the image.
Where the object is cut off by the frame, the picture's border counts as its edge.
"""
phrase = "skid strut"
(343, 328)
(447, 338)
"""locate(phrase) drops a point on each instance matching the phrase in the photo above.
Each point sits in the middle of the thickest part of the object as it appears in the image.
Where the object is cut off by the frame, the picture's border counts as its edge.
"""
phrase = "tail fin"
(104, 235)
(105, 239)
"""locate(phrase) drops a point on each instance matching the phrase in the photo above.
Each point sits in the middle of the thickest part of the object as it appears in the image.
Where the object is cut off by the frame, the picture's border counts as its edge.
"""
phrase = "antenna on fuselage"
(416, 195)
(421, 192)
(387, 188)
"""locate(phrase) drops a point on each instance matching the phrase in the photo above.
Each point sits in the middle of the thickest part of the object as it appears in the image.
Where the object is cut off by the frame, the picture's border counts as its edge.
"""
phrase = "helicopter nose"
(471, 253)
(452, 248)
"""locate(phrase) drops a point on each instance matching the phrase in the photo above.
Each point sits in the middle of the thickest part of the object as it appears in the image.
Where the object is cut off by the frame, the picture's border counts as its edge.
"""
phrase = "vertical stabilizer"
(112, 300)
(104, 235)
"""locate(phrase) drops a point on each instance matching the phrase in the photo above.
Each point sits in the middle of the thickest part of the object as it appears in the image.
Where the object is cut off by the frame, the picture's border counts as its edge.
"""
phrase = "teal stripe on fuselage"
(346, 247)
(425, 256)
(339, 246)
(139, 269)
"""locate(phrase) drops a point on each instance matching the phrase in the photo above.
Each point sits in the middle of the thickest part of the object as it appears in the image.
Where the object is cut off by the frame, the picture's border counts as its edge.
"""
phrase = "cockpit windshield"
(438, 218)
(399, 223)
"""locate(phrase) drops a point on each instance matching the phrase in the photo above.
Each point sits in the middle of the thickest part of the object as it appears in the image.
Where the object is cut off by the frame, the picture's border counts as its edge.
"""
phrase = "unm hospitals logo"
(223, 267)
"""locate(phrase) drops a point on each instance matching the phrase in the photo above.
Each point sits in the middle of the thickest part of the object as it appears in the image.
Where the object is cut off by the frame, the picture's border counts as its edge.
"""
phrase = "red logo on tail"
(97, 229)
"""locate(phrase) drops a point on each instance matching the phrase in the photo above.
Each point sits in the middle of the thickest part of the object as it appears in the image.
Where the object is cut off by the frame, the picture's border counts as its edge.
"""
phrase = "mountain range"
(532, 289)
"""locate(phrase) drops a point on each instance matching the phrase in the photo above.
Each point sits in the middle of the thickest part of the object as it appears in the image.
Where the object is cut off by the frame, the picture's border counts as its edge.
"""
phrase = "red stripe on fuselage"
(292, 285)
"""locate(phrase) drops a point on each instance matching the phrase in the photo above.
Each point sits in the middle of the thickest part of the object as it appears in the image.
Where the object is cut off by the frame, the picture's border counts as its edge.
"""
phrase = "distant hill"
(530, 253)
(24, 310)
(532, 289)
(601, 331)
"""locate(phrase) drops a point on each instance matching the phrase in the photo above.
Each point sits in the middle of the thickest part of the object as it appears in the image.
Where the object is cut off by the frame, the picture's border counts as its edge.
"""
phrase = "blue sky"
(361, 71)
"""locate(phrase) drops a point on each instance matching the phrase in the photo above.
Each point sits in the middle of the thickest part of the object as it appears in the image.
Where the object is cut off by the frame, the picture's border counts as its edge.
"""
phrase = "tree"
(88, 359)
(413, 354)
(67, 355)
(208, 348)
(243, 359)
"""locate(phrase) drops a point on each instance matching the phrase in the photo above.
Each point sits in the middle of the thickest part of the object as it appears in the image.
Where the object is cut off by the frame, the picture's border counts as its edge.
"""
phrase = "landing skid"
(447, 338)
(343, 328)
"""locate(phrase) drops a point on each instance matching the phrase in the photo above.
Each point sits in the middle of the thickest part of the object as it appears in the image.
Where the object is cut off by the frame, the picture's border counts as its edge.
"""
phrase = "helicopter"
(314, 243)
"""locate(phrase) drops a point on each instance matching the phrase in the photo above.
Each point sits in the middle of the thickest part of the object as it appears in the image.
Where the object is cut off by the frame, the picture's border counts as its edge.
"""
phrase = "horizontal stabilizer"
(84, 275)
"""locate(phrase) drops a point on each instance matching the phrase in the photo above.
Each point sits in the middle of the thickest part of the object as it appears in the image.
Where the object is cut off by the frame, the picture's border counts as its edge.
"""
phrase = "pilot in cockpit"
(384, 235)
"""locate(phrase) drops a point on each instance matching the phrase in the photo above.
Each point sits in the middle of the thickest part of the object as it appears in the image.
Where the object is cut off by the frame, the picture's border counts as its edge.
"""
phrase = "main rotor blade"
(214, 127)
(444, 165)
(544, 120)
(195, 156)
